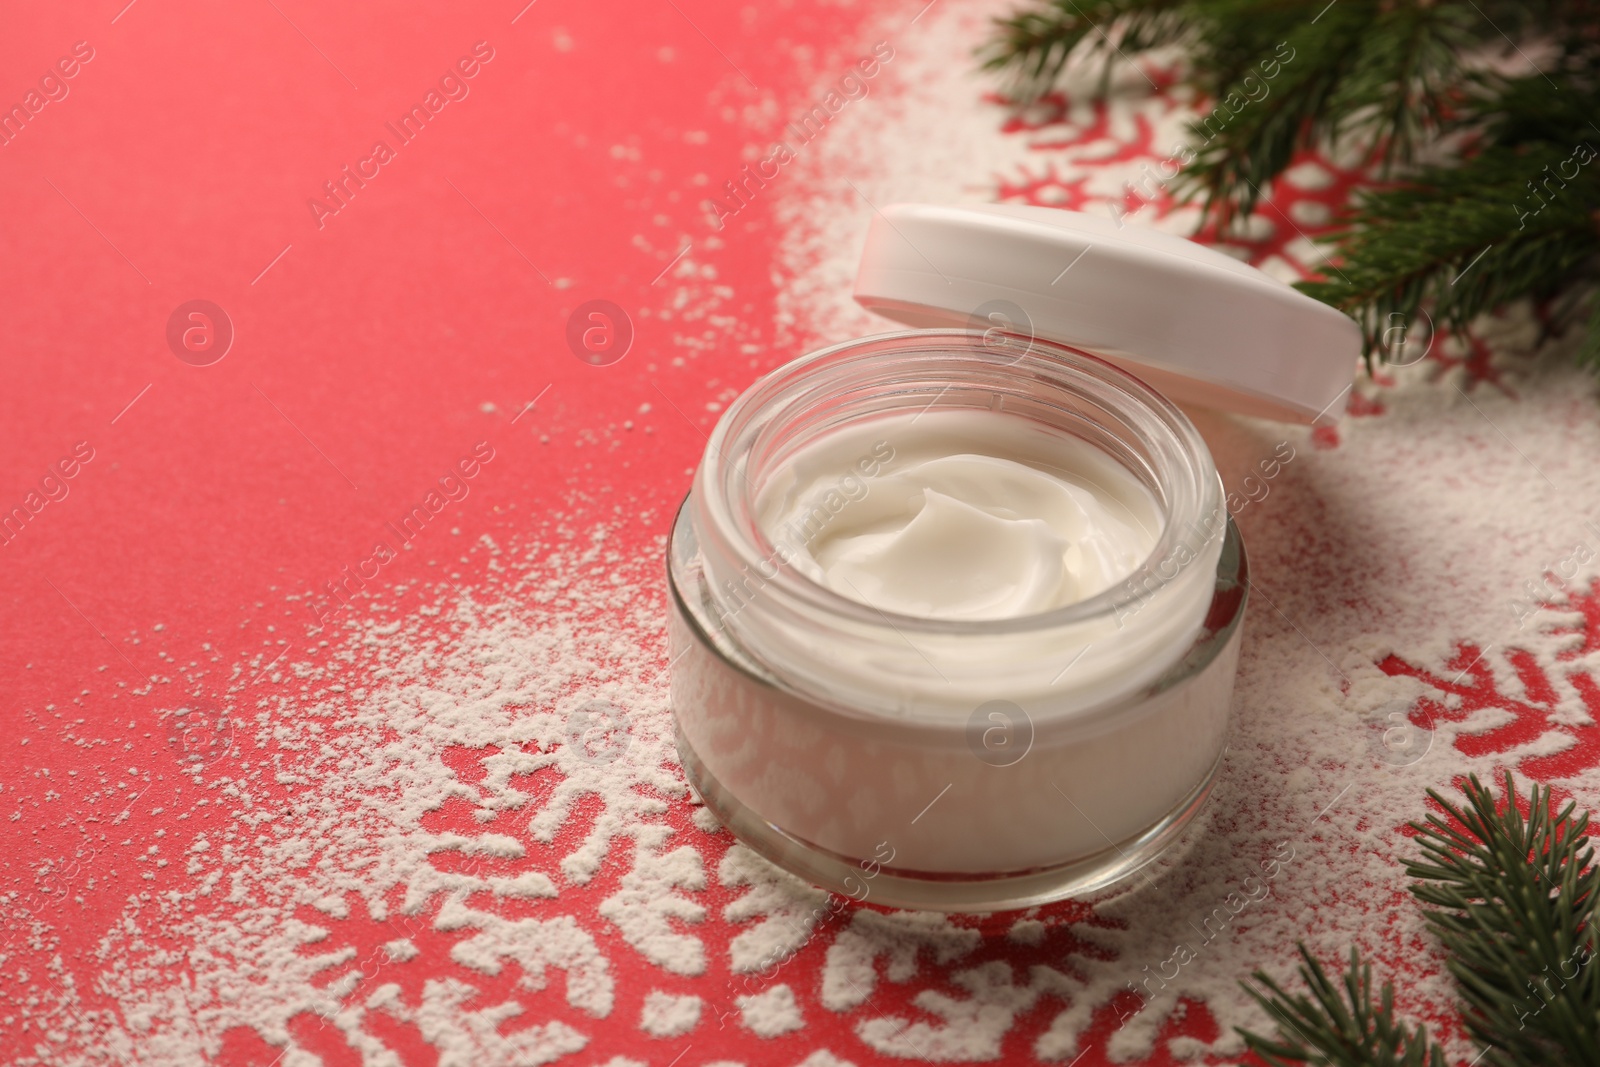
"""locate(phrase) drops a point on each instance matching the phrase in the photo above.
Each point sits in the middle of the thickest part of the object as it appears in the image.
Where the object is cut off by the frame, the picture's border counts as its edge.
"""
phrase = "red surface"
(178, 166)
(221, 501)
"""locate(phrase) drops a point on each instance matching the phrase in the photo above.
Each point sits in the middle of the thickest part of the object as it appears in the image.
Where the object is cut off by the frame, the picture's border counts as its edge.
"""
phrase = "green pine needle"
(1459, 241)
(1589, 354)
(1035, 45)
(1512, 900)
(1490, 198)
(1338, 1025)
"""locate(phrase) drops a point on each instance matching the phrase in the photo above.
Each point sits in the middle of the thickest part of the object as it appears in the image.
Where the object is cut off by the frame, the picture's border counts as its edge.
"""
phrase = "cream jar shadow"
(955, 614)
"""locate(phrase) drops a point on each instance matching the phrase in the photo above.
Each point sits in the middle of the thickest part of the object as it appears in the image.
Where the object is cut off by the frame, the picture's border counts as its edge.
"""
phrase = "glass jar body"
(942, 764)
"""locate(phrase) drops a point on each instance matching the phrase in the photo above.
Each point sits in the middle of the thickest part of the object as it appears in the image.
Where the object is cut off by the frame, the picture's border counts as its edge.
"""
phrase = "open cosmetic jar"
(955, 613)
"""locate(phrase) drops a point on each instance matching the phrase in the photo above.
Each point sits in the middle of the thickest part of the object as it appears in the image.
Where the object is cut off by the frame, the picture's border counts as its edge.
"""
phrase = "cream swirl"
(975, 515)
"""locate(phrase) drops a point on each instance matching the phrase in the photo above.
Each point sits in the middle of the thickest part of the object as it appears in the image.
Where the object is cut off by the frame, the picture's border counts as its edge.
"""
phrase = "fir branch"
(1458, 241)
(1512, 900)
(1411, 78)
(1453, 240)
(1244, 143)
(1383, 73)
(1035, 45)
(1338, 1025)
(1589, 353)
(1380, 75)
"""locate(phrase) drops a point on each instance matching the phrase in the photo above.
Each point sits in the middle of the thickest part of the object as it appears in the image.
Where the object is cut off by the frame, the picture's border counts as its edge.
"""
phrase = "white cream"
(958, 514)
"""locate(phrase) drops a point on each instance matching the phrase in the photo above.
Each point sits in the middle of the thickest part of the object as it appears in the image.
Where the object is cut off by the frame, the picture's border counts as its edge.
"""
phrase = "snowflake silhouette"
(1470, 678)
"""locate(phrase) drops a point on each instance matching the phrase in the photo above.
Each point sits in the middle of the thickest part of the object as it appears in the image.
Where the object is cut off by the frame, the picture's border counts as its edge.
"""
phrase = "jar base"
(941, 891)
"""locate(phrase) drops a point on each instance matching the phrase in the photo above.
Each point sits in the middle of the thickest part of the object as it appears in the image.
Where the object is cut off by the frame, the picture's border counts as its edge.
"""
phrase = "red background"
(368, 358)
(177, 168)
(182, 161)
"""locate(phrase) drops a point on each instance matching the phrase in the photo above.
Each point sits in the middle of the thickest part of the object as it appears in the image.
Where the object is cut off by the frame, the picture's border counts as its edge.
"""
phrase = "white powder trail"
(550, 683)
(1408, 539)
(500, 788)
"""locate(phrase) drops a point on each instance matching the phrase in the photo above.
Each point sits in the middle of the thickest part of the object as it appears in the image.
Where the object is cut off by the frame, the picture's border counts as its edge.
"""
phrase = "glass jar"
(953, 765)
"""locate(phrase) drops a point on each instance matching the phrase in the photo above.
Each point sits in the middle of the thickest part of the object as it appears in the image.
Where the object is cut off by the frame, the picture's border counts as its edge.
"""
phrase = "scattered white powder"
(411, 832)
(401, 949)
(788, 910)
(824, 1058)
(666, 1015)
(770, 1012)
(1409, 539)
(501, 681)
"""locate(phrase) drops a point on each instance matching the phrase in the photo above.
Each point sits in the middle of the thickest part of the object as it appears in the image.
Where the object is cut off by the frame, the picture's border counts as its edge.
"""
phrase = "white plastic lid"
(1193, 322)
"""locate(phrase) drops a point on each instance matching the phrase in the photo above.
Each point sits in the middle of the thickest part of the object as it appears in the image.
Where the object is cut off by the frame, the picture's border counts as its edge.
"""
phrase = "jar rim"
(727, 497)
